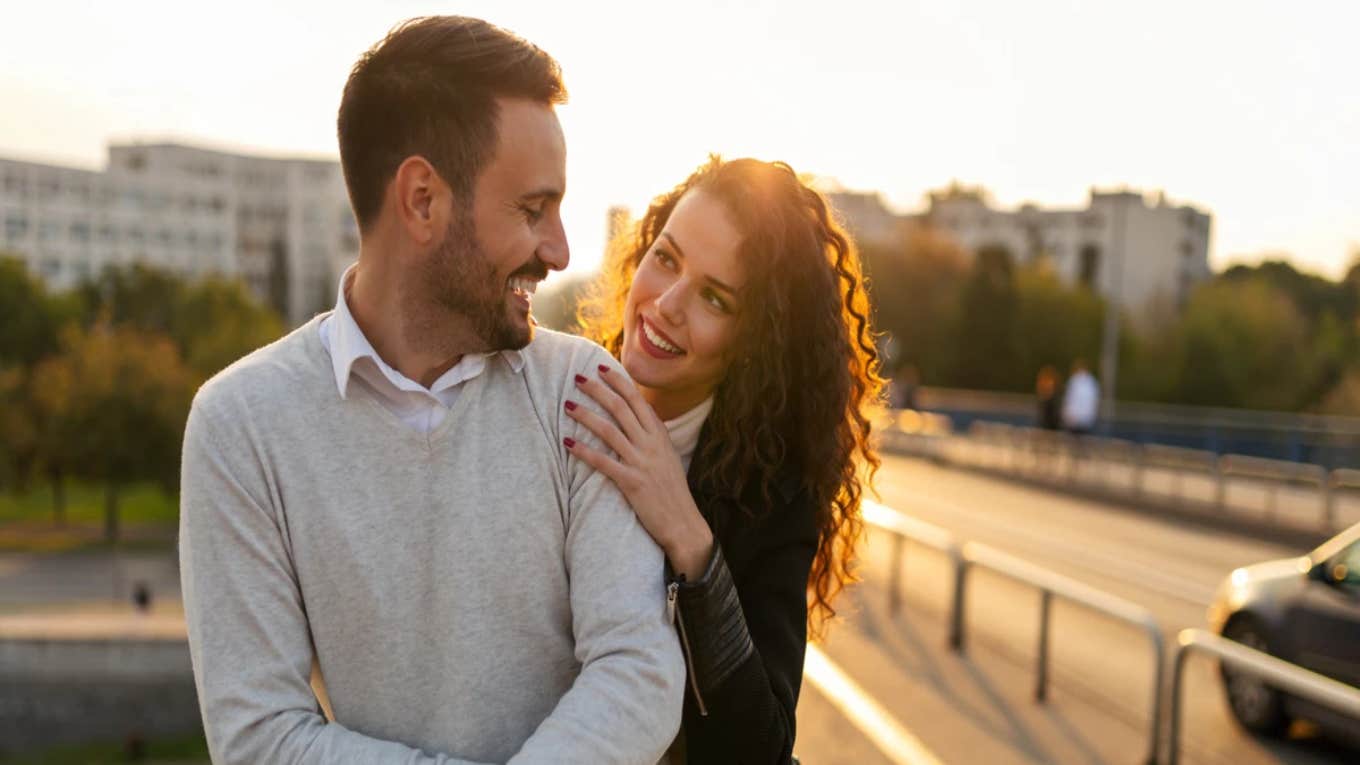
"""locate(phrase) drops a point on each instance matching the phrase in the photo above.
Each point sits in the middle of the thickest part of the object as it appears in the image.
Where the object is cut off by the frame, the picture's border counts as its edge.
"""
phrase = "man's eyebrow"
(547, 194)
(715, 282)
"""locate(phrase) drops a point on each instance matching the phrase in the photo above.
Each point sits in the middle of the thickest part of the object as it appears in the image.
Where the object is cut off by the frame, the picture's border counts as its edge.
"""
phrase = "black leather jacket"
(743, 624)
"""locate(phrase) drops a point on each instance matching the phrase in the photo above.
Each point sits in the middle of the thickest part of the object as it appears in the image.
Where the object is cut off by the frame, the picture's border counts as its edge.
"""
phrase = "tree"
(1243, 343)
(113, 408)
(216, 322)
(29, 319)
(986, 338)
(1055, 323)
(913, 292)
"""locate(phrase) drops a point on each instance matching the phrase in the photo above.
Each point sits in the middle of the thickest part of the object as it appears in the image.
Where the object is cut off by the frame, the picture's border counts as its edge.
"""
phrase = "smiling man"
(383, 495)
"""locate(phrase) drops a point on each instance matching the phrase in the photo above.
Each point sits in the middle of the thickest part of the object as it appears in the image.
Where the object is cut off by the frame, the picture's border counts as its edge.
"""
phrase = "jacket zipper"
(672, 610)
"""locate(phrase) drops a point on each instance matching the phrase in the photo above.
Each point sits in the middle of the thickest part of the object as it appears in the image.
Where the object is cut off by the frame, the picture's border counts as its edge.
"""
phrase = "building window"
(1089, 267)
(80, 232)
(48, 231)
(16, 226)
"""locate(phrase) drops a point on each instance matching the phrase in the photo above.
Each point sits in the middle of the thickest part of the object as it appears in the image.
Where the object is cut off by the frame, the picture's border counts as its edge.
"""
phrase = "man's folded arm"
(248, 634)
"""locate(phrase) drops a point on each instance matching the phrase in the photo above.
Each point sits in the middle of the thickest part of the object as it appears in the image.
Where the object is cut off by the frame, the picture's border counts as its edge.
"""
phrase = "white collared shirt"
(354, 361)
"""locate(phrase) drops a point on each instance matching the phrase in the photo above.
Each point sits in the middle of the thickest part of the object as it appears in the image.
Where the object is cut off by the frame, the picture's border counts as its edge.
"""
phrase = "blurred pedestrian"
(1048, 403)
(1081, 400)
(903, 387)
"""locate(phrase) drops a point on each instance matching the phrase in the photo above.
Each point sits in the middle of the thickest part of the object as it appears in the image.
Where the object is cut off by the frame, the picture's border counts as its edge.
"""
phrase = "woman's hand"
(647, 469)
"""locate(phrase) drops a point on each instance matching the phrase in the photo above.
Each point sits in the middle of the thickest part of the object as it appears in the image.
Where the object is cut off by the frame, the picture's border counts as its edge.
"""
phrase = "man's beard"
(460, 283)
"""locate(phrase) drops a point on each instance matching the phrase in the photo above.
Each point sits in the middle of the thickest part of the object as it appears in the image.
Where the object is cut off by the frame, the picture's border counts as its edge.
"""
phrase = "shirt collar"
(349, 345)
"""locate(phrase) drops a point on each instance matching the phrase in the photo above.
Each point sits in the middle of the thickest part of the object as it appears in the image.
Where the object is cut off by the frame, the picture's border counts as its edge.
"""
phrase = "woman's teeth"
(659, 341)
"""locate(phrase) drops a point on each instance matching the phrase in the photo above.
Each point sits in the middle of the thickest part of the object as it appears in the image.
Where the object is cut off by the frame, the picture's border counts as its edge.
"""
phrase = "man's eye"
(531, 214)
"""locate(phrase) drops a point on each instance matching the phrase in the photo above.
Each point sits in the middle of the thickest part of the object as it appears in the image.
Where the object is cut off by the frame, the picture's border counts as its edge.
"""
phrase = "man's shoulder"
(553, 354)
(280, 372)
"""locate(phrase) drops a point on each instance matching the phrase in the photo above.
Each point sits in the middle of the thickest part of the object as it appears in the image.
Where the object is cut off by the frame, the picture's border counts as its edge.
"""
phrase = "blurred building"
(282, 225)
(1147, 251)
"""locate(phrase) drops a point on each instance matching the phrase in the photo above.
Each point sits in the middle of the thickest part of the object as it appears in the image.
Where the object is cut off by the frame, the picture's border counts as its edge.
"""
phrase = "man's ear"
(421, 199)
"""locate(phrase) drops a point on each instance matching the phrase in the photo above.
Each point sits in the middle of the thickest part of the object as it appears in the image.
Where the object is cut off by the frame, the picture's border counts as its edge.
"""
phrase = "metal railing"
(1123, 467)
(905, 528)
(1287, 677)
(1050, 585)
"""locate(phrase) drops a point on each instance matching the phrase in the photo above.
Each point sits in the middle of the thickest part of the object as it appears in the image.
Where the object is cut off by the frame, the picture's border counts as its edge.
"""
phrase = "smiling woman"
(738, 309)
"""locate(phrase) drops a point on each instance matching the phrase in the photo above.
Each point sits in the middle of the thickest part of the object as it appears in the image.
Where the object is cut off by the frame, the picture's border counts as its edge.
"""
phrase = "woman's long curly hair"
(802, 368)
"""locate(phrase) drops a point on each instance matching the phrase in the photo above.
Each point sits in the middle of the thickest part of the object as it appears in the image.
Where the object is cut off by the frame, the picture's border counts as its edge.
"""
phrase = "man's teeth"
(658, 341)
(524, 285)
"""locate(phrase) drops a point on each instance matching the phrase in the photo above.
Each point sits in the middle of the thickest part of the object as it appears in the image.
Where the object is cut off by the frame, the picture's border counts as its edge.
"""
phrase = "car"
(1305, 611)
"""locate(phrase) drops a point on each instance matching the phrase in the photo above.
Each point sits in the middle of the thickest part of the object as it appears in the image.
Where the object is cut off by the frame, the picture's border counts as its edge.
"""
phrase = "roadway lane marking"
(893, 740)
(1140, 575)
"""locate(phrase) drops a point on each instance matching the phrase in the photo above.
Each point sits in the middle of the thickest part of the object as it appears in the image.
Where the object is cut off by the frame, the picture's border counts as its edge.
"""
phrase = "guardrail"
(1124, 467)
(1050, 585)
(904, 529)
(1288, 677)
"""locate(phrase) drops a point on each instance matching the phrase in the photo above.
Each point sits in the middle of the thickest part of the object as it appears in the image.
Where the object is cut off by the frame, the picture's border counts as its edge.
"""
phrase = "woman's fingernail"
(571, 406)
(580, 378)
(570, 442)
(604, 369)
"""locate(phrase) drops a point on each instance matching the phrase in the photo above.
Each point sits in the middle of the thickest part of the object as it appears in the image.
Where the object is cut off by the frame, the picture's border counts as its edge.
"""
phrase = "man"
(383, 493)
(1081, 400)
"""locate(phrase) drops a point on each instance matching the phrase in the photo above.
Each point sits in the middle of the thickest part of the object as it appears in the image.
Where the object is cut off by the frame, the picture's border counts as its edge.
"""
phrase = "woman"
(738, 308)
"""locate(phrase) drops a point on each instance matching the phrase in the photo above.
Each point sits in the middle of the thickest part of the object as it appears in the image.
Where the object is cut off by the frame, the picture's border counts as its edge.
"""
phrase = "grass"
(193, 749)
(148, 516)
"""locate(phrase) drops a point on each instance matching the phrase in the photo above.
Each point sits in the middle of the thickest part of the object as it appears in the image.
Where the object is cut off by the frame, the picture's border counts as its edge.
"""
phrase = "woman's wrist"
(690, 550)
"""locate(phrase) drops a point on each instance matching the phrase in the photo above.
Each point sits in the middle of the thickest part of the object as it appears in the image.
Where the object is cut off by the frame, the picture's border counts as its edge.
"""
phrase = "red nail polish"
(571, 406)
(580, 378)
(604, 369)
(570, 442)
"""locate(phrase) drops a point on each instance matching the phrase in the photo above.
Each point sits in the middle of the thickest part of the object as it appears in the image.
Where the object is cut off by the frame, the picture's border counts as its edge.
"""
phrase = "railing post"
(1173, 737)
(1045, 611)
(956, 625)
(895, 575)
(1158, 680)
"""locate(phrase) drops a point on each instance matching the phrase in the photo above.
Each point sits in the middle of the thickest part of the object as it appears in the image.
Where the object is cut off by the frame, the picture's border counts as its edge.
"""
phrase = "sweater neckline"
(312, 339)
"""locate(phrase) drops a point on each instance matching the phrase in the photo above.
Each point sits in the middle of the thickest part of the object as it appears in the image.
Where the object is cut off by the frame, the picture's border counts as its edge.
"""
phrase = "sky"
(1249, 110)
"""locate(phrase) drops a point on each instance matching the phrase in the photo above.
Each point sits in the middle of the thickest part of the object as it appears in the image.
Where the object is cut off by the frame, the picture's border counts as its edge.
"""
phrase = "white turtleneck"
(685, 429)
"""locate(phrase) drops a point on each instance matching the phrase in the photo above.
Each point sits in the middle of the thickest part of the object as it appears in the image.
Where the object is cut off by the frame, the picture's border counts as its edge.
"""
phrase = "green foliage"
(29, 319)
(213, 322)
(95, 383)
(114, 404)
(913, 292)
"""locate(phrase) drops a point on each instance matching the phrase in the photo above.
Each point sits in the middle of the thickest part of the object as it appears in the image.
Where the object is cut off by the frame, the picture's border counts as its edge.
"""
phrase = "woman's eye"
(716, 300)
(665, 259)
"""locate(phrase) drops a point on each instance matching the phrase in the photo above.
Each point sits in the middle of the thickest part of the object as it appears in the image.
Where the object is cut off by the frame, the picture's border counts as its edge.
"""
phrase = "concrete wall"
(60, 692)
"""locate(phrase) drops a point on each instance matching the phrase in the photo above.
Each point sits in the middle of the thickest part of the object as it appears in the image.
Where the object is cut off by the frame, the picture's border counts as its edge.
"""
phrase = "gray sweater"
(470, 595)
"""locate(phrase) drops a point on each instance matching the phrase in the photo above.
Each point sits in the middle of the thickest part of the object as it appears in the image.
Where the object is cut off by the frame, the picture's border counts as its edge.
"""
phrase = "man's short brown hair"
(429, 89)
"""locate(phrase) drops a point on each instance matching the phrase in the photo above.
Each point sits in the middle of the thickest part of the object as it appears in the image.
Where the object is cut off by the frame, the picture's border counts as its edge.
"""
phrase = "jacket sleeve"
(247, 623)
(746, 632)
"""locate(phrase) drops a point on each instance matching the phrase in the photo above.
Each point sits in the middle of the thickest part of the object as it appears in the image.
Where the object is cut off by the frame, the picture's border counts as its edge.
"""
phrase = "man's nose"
(553, 250)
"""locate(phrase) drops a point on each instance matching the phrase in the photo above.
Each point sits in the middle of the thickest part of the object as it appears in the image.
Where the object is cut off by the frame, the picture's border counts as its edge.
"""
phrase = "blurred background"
(1165, 192)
